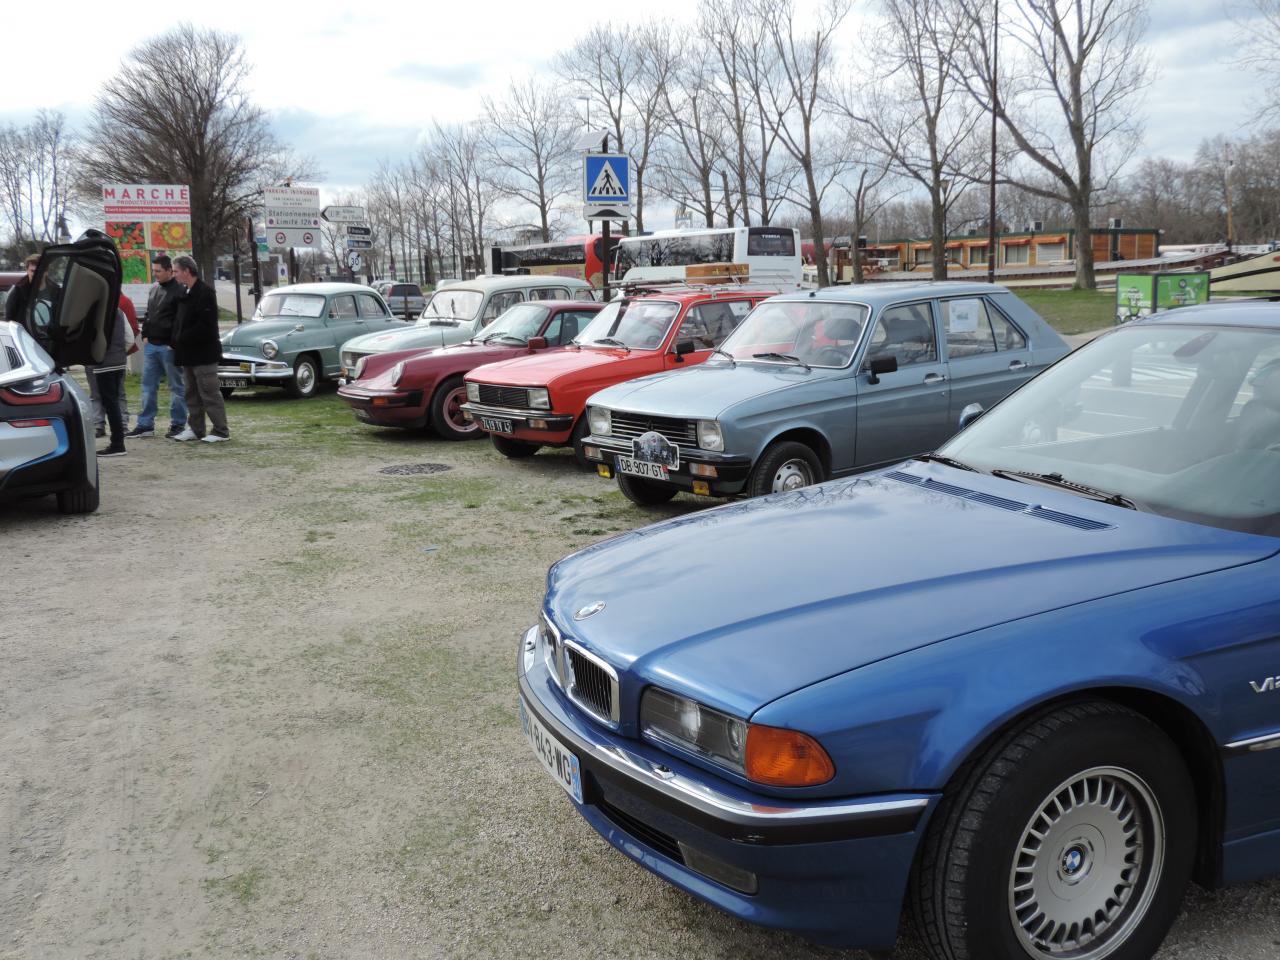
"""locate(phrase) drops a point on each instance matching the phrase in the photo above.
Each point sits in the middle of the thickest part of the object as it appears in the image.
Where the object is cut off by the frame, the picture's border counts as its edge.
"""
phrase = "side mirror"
(683, 347)
(970, 413)
(537, 343)
(877, 366)
(298, 328)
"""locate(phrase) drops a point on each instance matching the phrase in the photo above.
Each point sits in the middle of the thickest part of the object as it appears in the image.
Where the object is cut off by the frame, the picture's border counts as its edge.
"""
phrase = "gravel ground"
(262, 704)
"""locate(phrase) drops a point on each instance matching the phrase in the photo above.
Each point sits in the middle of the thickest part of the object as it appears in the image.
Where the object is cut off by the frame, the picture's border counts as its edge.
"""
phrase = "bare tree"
(37, 172)
(688, 167)
(919, 116)
(178, 111)
(1258, 50)
(1069, 98)
(865, 189)
(798, 99)
(530, 135)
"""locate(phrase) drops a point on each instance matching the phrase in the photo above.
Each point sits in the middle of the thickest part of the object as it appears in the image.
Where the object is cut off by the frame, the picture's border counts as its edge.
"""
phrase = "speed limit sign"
(353, 260)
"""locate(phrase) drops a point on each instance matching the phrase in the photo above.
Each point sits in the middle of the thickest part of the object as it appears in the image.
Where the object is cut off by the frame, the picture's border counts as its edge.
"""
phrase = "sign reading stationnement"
(292, 216)
(145, 220)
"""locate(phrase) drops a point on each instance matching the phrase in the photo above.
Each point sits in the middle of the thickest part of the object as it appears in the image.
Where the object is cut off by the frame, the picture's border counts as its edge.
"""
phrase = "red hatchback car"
(531, 402)
(420, 388)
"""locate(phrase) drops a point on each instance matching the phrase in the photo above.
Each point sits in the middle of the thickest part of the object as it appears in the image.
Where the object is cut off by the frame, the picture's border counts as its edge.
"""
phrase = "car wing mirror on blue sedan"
(877, 366)
(970, 413)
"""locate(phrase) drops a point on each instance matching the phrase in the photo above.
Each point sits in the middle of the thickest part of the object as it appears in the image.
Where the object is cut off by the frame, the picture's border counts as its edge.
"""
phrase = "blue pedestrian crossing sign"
(606, 178)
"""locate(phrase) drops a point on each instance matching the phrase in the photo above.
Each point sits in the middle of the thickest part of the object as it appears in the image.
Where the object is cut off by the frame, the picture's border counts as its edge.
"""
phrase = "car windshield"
(521, 322)
(635, 324)
(1180, 420)
(290, 305)
(452, 304)
(811, 332)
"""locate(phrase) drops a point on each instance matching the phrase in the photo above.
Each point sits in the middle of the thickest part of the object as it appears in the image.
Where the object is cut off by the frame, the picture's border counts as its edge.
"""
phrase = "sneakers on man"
(214, 438)
(140, 431)
(186, 434)
(174, 430)
(112, 451)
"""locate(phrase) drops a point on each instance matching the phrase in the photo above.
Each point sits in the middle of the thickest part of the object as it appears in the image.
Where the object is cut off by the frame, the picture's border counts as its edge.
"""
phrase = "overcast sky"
(349, 89)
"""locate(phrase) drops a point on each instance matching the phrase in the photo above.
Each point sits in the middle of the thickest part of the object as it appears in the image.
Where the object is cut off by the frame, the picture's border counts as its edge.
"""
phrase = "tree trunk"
(938, 243)
(815, 221)
(1085, 279)
(639, 204)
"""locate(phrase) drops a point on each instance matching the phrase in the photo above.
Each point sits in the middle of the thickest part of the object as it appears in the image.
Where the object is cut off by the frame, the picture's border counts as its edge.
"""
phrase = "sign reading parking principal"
(606, 178)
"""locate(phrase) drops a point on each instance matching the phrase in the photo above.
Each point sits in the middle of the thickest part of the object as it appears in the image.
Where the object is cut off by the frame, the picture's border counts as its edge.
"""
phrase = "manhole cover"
(414, 469)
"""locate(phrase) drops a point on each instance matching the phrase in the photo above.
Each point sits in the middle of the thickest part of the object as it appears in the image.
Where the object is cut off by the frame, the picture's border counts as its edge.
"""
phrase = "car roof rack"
(726, 286)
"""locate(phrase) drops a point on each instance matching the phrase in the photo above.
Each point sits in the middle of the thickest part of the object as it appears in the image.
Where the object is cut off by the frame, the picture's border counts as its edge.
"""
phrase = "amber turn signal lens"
(786, 758)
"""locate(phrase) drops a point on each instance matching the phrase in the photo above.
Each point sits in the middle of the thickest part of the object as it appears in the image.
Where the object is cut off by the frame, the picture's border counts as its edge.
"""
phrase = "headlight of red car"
(396, 373)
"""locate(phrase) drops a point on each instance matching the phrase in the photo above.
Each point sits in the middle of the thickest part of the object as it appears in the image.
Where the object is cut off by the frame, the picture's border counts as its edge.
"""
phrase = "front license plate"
(247, 367)
(642, 468)
(235, 381)
(497, 425)
(560, 763)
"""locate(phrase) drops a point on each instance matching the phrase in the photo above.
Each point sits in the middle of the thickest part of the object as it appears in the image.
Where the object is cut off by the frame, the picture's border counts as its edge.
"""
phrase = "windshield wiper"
(1058, 480)
(724, 354)
(512, 337)
(789, 358)
(946, 461)
(612, 342)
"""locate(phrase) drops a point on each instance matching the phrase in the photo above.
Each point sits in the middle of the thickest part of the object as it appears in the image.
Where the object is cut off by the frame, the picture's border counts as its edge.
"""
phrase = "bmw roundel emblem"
(590, 610)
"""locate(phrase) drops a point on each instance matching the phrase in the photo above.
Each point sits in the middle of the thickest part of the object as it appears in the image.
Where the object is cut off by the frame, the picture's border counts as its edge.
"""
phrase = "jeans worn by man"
(158, 365)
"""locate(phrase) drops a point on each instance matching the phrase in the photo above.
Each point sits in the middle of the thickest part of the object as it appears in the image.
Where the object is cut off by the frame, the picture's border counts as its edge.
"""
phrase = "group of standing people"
(180, 344)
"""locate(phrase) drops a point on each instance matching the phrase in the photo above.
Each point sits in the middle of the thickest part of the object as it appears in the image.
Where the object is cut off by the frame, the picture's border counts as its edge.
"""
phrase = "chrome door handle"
(1017, 365)
(932, 378)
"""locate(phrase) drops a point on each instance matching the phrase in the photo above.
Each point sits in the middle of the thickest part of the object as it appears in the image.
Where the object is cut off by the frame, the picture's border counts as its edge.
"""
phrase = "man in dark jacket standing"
(20, 293)
(197, 350)
(157, 353)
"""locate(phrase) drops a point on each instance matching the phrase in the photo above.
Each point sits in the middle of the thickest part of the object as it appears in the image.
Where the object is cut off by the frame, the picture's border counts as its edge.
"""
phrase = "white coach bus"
(767, 255)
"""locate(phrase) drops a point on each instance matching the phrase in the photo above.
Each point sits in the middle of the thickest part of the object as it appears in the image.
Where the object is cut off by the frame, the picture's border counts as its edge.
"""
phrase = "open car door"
(75, 295)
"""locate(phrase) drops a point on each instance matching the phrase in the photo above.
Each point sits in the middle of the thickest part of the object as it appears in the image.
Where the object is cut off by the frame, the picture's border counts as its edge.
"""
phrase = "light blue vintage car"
(816, 385)
(293, 339)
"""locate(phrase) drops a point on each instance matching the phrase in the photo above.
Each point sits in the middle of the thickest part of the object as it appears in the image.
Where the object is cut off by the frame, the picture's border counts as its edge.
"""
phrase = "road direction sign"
(354, 261)
(606, 178)
(359, 243)
(343, 214)
(358, 231)
(292, 237)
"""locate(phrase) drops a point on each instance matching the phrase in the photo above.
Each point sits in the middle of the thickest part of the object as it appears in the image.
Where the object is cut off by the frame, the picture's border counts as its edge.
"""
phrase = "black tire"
(446, 417)
(306, 377)
(581, 430)
(645, 493)
(514, 449)
(779, 464)
(226, 391)
(962, 889)
(84, 498)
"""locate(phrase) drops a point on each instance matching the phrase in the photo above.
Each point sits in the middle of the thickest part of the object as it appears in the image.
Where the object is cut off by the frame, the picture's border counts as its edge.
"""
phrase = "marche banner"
(145, 220)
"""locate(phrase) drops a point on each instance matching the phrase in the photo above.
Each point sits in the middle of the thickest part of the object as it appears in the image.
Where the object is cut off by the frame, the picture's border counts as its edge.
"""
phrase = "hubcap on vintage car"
(1087, 866)
(453, 411)
(791, 476)
(306, 377)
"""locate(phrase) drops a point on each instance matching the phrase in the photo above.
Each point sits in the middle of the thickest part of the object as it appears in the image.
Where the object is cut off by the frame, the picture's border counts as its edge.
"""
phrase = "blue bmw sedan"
(1026, 687)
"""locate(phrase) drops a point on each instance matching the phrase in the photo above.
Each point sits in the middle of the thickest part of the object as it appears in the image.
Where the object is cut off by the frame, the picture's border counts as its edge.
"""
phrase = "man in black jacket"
(20, 293)
(197, 350)
(157, 354)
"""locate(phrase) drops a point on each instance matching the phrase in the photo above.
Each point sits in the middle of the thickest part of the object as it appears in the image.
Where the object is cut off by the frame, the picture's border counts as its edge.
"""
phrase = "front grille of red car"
(628, 426)
(516, 398)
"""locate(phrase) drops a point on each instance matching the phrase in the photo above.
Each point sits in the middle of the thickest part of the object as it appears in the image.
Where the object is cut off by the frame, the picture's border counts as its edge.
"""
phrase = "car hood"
(250, 335)
(428, 366)
(700, 392)
(409, 338)
(743, 604)
(546, 367)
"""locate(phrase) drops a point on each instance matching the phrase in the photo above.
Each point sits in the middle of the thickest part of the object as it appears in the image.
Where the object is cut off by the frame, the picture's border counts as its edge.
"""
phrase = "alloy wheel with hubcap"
(305, 378)
(784, 467)
(446, 412)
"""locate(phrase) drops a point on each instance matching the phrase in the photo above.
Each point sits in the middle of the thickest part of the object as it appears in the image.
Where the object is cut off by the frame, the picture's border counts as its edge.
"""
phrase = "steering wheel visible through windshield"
(633, 324)
(452, 305)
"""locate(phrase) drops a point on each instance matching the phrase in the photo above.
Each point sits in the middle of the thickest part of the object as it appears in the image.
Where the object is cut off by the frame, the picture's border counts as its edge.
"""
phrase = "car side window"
(583, 293)
(973, 328)
(906, 333)
(708, 324)
(1008, 337)
(499, 303)
(370, 306)
(343, 307)
(548, 293)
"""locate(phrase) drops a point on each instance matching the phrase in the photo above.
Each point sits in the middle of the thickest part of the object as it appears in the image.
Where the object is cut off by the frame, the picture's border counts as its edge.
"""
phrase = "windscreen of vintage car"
(809, 332)
(1178, 420)
(276, 305)
(633, 324)
(450, 307)
(515, 325)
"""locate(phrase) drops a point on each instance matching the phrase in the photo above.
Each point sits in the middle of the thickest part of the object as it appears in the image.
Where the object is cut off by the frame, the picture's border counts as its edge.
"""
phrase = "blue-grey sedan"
(817, 385)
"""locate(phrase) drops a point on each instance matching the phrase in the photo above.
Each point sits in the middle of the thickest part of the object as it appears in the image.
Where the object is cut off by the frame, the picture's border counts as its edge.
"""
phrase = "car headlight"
(396, 373)
(600, 421)
(270, 348)
(709, 435)
(359, 370)
(769, 755)
(473, 392)
(540, 398)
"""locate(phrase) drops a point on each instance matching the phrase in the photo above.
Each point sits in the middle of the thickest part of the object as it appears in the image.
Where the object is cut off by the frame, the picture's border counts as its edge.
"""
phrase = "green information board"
(1142, 294)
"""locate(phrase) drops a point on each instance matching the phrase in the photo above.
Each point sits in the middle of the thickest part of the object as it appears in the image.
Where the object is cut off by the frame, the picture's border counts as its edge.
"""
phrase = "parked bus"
(583, 257)
(766, 255)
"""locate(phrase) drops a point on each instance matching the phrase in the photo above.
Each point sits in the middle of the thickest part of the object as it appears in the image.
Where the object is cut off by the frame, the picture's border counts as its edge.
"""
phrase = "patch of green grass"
(245, 886)
(1072, 311)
